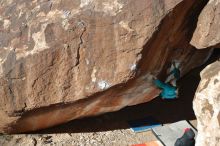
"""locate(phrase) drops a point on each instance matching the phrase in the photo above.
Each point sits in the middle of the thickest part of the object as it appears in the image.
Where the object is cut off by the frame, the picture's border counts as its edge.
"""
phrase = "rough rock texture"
(65, 59)
(207, 32)
(207, 106)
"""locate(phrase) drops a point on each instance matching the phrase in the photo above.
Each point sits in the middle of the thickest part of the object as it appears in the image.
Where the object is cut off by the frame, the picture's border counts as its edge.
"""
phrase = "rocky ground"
(107, 138)
(121, 137)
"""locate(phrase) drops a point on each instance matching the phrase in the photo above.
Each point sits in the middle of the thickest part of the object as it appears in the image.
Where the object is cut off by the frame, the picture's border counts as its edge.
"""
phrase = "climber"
(187, 139)
(169, 87)
(168, 91)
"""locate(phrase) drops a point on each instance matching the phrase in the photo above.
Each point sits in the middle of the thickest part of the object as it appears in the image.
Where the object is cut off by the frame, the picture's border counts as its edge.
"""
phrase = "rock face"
(65, 59)
(207, 106)
(207, 32)
(207, 98)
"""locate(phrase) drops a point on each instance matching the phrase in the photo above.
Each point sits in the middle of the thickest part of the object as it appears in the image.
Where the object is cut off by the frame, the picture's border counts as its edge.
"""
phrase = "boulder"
(207, 33)
(67, 59)
(206, 105)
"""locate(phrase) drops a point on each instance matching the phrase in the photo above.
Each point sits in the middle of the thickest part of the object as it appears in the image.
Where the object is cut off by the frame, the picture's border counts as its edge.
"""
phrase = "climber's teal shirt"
(168, 92)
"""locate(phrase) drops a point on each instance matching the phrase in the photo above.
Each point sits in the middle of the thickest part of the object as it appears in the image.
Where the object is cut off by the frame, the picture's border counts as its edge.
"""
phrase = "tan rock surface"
(207, 106)
(61, 60)
(207, 33)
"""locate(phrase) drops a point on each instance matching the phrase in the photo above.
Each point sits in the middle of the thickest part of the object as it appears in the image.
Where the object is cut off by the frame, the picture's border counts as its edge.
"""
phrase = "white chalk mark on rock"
(93, 75)
(133, 67)
(87, 61)
(103, 85)
(40, 40)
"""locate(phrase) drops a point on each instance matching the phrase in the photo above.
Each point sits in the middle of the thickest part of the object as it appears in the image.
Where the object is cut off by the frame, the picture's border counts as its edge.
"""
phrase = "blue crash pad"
(144, 124)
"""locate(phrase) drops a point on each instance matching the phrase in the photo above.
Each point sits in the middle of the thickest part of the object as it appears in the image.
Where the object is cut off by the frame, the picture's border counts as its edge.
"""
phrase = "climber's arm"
(159, 84)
